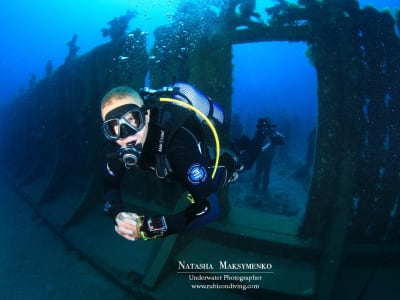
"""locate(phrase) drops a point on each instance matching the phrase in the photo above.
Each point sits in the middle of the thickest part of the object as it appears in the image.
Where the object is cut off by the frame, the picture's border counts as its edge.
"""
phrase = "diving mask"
(123, 121)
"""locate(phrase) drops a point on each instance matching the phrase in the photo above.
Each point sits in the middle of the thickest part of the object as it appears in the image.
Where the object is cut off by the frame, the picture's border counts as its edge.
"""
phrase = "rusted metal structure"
(353, 209)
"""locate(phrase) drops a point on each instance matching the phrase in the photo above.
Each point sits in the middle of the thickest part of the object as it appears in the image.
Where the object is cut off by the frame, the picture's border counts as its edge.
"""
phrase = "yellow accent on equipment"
(209, 123)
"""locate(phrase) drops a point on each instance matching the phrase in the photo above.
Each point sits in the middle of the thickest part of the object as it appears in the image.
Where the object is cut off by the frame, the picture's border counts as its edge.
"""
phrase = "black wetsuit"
(190, 166)
(264, 161)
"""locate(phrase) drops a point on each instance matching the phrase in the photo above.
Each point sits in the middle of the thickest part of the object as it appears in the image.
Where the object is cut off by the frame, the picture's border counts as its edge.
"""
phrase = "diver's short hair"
(122, 94)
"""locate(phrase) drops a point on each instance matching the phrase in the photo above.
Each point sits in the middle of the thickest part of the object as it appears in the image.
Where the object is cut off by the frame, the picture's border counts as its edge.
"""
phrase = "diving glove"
(128, 225)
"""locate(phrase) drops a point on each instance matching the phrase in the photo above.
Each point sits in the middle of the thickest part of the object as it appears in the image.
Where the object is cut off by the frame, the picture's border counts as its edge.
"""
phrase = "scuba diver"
(152, 132)
(264, 160)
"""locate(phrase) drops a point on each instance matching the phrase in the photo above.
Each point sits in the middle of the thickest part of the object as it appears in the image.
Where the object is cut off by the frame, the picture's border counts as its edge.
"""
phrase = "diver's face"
(139, 137)
(130, 117)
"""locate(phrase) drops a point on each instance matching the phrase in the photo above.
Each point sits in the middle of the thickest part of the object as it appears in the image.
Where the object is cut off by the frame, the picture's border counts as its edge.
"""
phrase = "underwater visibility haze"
(320, 211)
(37, 31)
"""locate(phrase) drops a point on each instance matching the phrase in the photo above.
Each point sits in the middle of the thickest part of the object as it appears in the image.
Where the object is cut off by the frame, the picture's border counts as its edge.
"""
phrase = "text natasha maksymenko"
(223, 265)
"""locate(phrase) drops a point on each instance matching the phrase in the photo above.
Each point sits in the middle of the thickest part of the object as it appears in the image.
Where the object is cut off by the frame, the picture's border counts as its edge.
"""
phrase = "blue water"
(36, 31)
(275, 80)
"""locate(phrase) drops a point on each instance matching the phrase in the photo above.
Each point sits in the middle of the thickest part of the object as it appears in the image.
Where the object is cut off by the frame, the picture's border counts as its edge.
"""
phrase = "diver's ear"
(147, 115)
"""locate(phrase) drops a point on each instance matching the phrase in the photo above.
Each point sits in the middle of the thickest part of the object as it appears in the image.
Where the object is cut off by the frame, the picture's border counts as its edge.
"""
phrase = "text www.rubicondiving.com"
(229, 286)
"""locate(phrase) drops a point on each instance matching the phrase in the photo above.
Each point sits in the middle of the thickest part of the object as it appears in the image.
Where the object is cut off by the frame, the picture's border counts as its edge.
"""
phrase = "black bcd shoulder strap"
(168, 118)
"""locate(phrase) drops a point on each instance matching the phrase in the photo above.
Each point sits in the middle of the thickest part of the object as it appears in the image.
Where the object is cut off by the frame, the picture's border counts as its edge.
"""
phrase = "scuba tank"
(201, 102)
(188, 94)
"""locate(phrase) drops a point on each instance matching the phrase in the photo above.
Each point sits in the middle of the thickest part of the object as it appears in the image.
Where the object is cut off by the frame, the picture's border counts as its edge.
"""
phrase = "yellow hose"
(209, 123)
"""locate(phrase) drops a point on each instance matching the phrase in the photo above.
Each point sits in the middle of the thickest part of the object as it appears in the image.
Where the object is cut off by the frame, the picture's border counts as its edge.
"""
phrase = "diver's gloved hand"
(128, 225)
